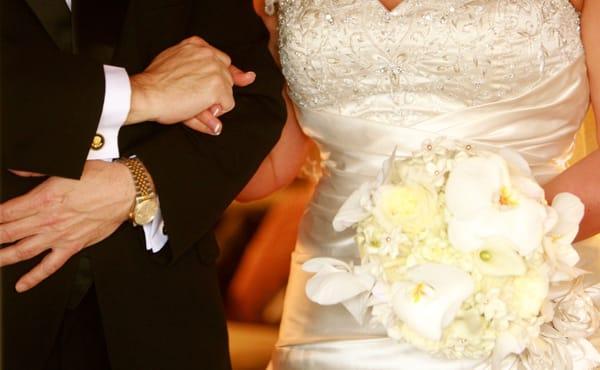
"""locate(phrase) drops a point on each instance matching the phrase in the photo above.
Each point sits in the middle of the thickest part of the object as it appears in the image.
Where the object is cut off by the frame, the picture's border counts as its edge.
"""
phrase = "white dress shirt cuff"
(117, 102)
(155, 234)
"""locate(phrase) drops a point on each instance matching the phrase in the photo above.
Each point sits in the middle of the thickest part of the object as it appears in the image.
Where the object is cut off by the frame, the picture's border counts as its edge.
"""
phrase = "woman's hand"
(191, 82)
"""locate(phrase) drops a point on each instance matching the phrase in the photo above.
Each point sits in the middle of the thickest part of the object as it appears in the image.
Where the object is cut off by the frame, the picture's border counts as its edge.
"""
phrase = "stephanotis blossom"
(485, 200)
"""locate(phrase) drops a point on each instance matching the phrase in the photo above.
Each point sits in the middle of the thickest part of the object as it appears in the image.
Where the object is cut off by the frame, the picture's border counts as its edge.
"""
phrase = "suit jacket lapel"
(56, 19)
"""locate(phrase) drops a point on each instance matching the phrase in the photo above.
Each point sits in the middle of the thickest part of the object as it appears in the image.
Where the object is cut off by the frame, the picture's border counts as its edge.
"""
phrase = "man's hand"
(64, 216)
(191, 82)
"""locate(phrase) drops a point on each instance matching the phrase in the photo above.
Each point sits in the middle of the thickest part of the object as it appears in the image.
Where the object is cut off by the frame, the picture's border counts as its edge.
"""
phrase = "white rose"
(528, 293)
(413, 208)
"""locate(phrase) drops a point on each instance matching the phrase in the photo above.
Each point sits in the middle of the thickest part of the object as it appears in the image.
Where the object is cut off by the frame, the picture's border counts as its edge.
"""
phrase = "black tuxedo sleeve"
(197, 176)
(51, 105)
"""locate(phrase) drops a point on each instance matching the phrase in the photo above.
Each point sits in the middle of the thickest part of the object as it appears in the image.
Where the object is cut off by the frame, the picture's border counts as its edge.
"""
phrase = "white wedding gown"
(365, 80)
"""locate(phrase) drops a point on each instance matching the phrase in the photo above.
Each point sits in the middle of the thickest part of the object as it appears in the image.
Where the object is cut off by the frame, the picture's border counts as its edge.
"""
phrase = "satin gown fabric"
(539, 121)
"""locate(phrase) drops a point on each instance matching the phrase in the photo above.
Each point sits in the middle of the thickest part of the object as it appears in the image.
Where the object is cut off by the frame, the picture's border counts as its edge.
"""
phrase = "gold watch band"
(144, 186)
(143, 183)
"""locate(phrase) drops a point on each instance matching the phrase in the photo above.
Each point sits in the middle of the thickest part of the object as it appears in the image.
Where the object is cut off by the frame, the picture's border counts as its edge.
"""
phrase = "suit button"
(98, 142)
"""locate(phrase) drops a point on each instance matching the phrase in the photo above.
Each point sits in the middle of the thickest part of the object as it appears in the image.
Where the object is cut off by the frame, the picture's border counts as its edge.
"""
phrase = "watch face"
(145, 211)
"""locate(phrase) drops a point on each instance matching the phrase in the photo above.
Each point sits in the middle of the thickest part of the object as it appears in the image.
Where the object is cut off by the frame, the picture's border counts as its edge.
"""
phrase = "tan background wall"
(586, 138)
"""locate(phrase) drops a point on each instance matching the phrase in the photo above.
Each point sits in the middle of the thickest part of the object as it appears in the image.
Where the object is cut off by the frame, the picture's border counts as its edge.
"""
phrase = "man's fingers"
(241, 78)
(194, 40)
(222, 56)
(20, 207)
(49, 265)
(198, 41)
(24, 250)
(16, 230)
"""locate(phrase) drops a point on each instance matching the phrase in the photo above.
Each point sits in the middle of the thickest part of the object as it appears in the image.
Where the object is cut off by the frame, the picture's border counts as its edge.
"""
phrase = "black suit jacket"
(158, 313)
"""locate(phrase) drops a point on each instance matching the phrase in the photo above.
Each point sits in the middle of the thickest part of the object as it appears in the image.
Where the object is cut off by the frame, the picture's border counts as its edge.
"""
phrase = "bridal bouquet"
(462, 256)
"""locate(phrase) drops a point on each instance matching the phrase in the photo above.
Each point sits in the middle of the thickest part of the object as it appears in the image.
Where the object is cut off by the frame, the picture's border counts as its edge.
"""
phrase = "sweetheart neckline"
(392, 10)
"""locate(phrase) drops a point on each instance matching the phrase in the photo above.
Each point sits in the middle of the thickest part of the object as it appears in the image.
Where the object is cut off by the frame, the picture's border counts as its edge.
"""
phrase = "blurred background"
(257, 240)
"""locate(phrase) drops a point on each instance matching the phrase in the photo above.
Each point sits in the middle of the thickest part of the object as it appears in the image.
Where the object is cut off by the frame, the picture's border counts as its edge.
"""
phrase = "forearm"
(282, 165)
(583, 180)
(590, 33)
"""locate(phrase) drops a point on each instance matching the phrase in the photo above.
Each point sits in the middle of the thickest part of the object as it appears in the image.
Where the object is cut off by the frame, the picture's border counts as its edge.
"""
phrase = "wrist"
(141, 101)
(145, 205)
(128, 191)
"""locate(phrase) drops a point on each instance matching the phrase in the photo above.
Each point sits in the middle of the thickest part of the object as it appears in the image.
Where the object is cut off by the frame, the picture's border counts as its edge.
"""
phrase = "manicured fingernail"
(216, 110)
(214, 125)
(20, 287)
(218, 129)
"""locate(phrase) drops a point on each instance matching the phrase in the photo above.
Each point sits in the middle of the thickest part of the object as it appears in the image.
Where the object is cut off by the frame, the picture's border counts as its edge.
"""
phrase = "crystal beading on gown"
(365, 80)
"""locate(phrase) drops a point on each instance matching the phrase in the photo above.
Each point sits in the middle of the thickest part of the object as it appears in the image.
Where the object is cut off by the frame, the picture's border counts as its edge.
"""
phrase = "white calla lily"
(499, 258)
(431, 299)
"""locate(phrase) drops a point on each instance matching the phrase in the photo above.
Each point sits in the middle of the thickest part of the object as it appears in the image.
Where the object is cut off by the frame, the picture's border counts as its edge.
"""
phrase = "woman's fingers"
(197, 125)
(207, 121)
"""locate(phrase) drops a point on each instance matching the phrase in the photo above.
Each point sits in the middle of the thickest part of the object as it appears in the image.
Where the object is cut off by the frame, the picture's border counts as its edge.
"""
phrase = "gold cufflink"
(98, 142)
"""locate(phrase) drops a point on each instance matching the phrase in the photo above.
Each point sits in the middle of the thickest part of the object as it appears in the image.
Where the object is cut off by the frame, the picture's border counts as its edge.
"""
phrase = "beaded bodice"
(423, 58)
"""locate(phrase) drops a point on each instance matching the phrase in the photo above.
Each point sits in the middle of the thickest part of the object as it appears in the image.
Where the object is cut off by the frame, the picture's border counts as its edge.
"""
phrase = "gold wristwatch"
(145, 205)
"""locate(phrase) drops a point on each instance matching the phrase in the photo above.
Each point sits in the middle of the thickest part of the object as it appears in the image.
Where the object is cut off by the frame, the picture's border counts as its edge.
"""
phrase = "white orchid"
(567, 212)
(359, 204)
(432, 297)
(485, 201)
(461, 256)
(508, 343)
(336, 282)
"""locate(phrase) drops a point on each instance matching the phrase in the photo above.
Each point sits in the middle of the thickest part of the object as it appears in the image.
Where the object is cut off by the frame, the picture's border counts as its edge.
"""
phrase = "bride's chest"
(334, 51)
